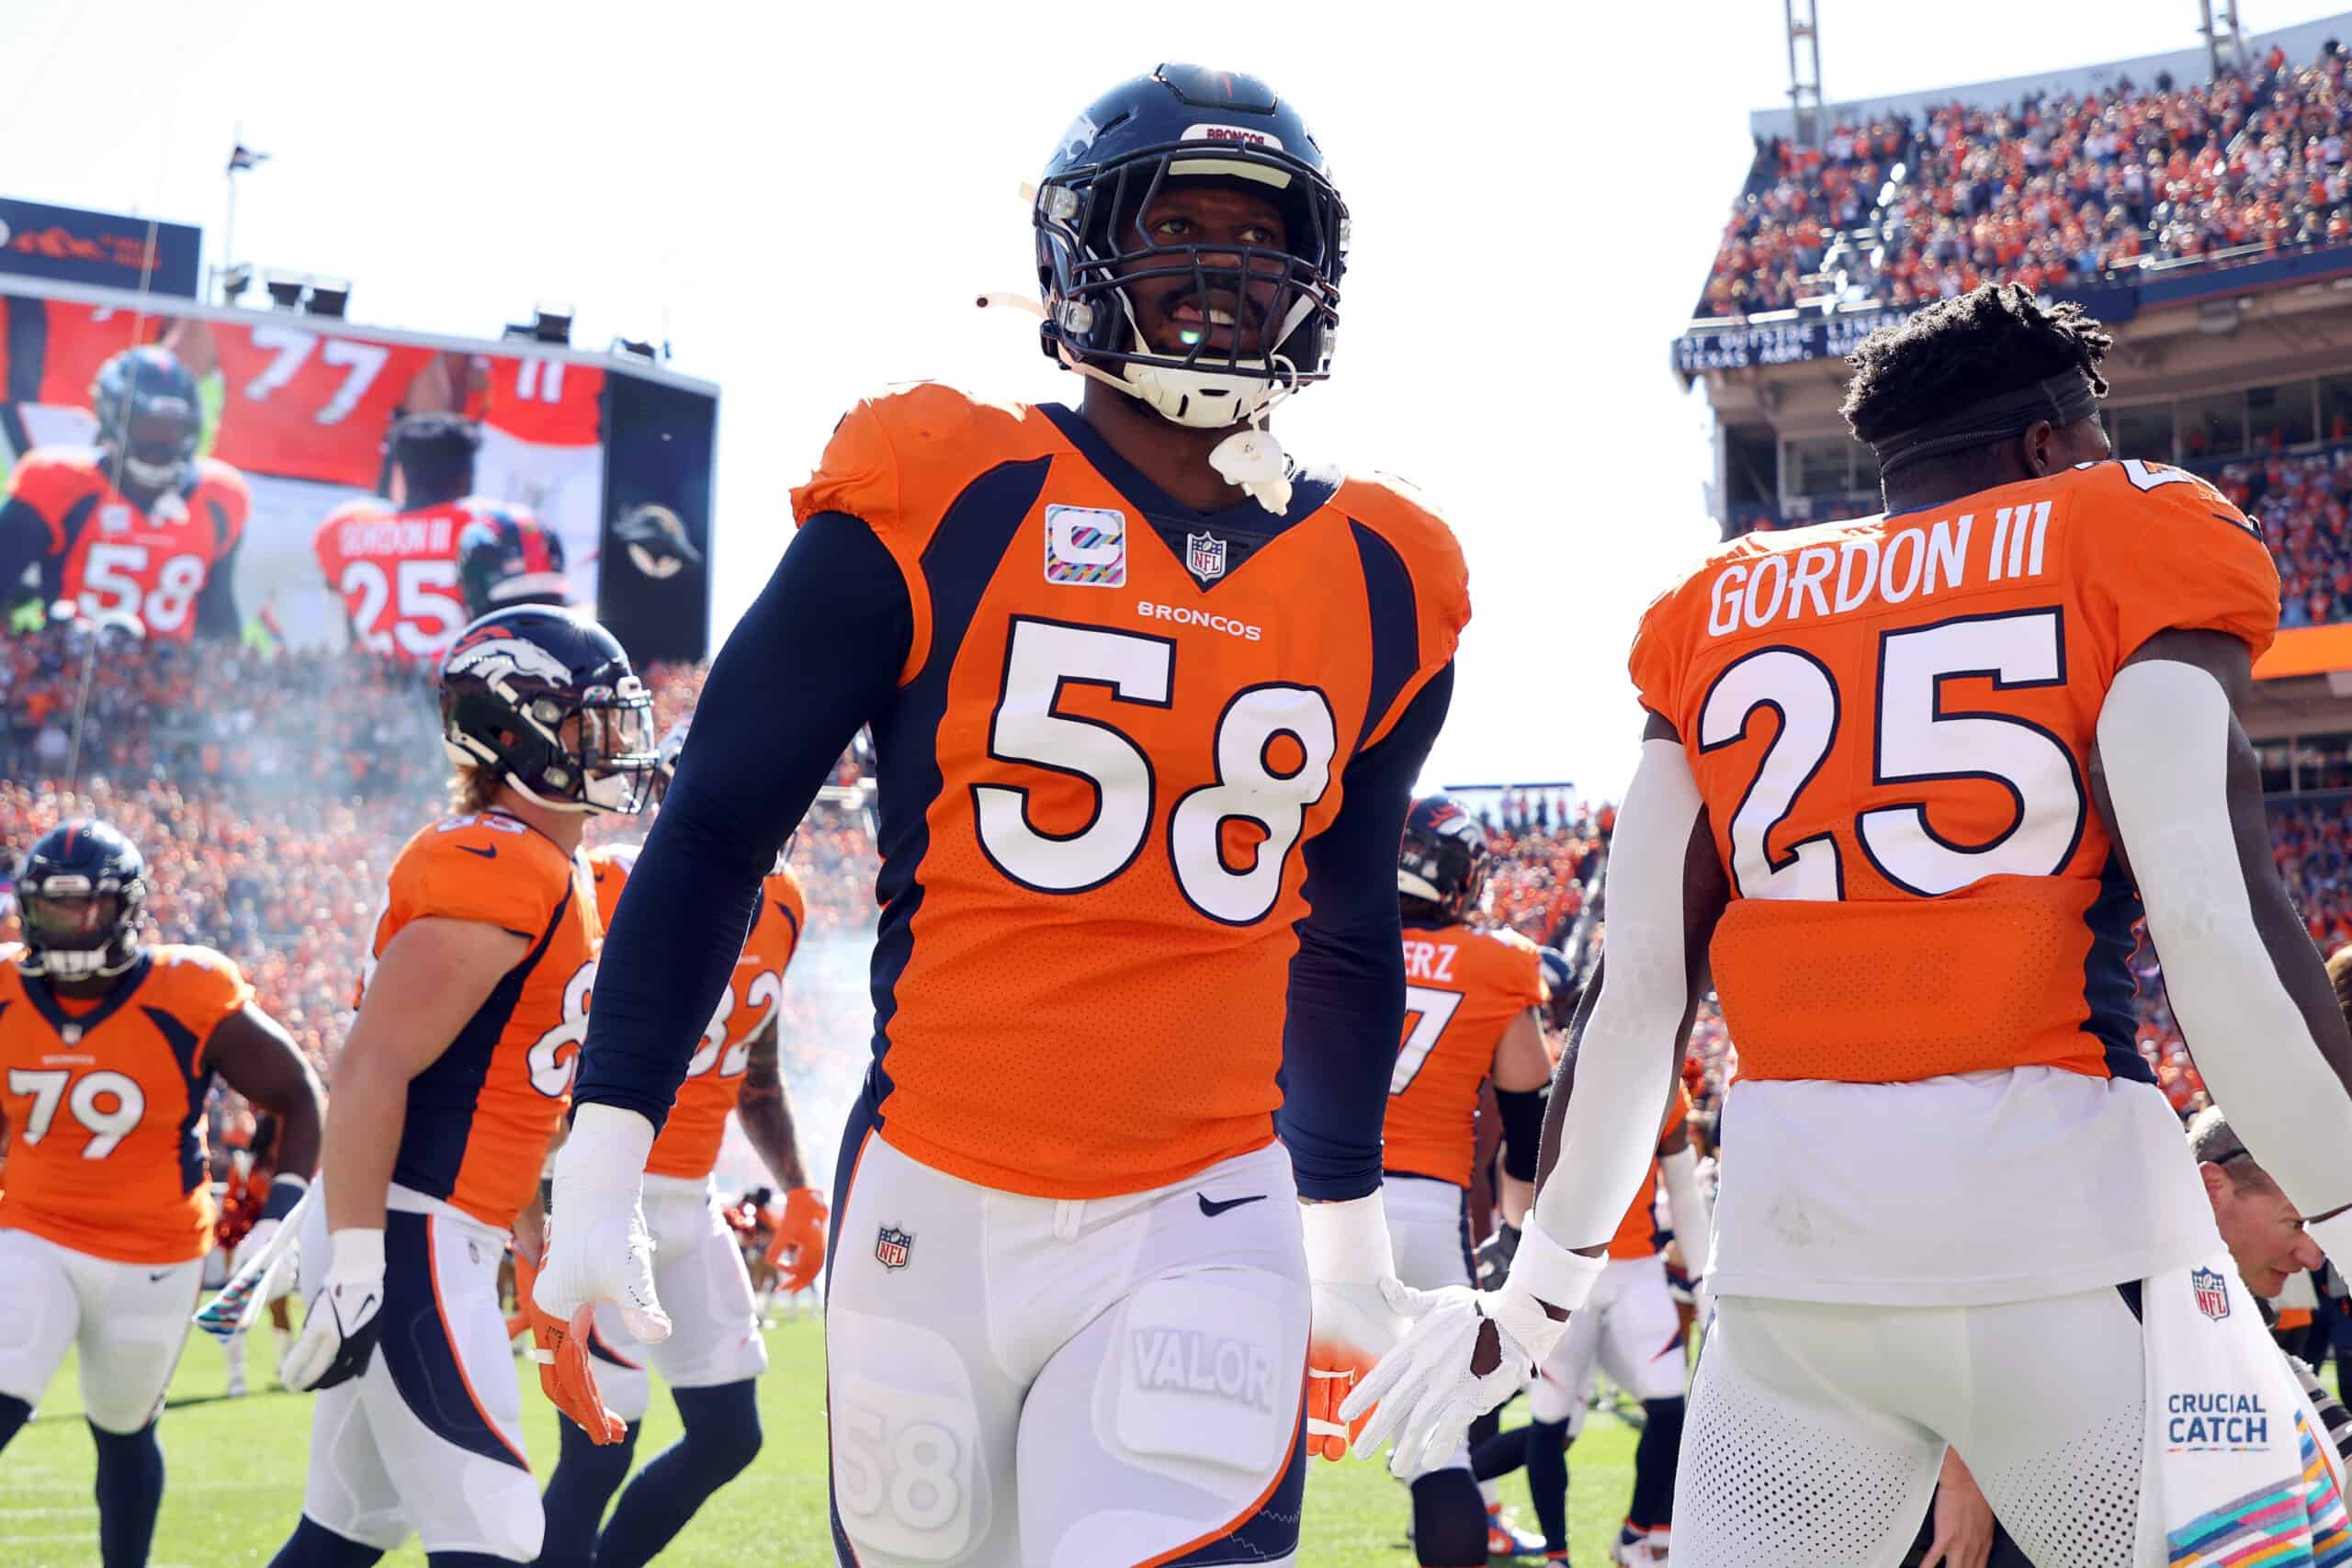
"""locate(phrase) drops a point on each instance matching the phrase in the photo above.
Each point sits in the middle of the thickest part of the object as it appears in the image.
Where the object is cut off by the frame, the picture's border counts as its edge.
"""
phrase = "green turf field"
(236, 1479)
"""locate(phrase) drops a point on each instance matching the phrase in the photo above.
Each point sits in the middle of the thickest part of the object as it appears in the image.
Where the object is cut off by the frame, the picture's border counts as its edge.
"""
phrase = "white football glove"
(598, 1246)
(339, 1331)
(1349, 1263)
(256, 1243)
(1424, 1393)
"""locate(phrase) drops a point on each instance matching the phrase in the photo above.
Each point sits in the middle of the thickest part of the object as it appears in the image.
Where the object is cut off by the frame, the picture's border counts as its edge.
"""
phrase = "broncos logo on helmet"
(1443, 858)
(547, 702)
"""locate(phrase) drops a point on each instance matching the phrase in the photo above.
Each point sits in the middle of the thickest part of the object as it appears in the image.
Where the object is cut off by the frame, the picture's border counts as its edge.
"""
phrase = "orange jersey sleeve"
(54, 481)
(958, 439)
(1891, 723)
(688, 1146)
(480, 1116)
(1463, 989)
(1431, 558)
(1637, 1232)
(105, 1101)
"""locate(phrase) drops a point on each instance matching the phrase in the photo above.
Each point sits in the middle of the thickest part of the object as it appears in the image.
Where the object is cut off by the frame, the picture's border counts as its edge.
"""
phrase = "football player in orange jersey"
(110, 1045)
(448, 1090)
(1907, 784)
(138, 525)
(1471, 1014)
(408, 581)
(1149, 702)
(714, 1353)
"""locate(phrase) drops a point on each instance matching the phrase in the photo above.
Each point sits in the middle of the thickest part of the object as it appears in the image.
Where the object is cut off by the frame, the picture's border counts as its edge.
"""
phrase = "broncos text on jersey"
(1096, 808)
(105, 1105)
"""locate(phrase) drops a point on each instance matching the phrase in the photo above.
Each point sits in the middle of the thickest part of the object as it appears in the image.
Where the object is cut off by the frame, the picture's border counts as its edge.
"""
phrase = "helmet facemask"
(1095, 258)
(73, 930)
(158, 444)
(593, 752)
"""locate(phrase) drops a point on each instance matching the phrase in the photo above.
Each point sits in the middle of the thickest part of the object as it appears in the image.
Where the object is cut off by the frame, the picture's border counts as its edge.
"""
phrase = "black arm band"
(1522, 1113)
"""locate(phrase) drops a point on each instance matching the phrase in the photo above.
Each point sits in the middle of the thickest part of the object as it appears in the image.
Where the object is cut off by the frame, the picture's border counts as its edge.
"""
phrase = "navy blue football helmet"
(149, 417)
(1182, 122)
(507, 558)
(546, 700)
(1443, 858)
(79, 890)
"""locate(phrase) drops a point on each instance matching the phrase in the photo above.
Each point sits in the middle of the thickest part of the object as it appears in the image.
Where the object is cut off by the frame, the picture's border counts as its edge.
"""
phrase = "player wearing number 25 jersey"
(108, 1047)
(138, 525)
(456, 1068)
(1909, 783)
(1148, 720)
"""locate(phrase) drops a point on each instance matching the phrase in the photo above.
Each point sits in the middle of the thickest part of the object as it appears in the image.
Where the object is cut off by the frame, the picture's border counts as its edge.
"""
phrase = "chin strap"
(1250, 459)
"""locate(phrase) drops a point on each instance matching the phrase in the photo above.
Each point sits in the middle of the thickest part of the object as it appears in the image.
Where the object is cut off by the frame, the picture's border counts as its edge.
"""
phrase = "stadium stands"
(2049, 191)
(270, 796)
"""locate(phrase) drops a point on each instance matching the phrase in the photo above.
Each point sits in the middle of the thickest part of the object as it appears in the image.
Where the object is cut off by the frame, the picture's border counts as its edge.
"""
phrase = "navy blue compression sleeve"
(818, 655)
(1346, 1007)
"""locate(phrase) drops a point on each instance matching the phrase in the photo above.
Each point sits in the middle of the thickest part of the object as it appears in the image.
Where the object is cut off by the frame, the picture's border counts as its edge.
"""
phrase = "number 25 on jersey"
(1921, 736)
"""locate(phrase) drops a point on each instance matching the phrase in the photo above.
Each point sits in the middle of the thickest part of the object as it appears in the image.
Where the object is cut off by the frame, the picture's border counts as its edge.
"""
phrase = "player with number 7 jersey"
(1149, 702)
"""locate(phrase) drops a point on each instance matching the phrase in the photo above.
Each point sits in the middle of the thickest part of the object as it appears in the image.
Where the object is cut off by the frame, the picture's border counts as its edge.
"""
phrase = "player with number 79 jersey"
(1149, 701)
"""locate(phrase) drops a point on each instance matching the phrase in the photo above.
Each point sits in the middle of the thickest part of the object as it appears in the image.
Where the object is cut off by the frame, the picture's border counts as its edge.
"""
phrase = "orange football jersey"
(688, 1145)
(309, 405)
(1637, 1232)
(1891, 722)
(111, 558)
(396, 573)
(105, 1105)
(480, 1116)
(1119, 723)
(1462, 989)
(546, 401)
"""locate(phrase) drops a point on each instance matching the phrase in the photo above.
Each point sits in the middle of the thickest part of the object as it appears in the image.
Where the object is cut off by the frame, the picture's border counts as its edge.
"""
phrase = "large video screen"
(348, 485)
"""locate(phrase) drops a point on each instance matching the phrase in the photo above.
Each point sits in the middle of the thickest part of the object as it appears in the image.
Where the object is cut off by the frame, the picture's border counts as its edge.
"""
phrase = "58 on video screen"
(292, 482)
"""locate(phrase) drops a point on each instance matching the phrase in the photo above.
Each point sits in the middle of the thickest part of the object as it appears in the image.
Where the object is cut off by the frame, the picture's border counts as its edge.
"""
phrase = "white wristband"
(606, 1153)
(355, 1255)
(1550, 1272)
(1347, 1241)
(2334, 1235)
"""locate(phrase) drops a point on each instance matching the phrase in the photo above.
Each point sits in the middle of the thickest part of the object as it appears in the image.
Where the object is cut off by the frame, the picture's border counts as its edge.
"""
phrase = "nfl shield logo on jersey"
(2212, 1293)
(1205, 556)
(891, 1247)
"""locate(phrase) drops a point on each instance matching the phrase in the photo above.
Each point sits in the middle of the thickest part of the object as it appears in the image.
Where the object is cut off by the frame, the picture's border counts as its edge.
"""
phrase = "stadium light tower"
(2224, 43)
(1804, 71)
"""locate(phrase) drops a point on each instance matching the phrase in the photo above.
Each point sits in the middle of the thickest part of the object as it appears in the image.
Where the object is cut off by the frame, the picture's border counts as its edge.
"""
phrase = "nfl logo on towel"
(2212, 1293)
(1205, 556)
(890, 1249)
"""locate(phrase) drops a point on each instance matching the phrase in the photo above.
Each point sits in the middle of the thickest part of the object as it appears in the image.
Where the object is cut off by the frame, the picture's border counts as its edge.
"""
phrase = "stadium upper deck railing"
(1828, 328)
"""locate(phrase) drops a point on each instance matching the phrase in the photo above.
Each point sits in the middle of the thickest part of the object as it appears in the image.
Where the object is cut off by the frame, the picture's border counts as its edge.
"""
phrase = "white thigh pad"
(907, 1471)
(1208, 1374)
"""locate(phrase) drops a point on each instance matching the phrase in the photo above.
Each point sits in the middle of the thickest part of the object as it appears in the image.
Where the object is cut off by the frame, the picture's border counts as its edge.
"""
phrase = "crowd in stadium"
(2047, 191)
(256, 855)
(270, 796)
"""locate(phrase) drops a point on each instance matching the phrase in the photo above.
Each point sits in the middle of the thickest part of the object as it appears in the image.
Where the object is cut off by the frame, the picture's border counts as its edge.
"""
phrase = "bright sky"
(806, 200)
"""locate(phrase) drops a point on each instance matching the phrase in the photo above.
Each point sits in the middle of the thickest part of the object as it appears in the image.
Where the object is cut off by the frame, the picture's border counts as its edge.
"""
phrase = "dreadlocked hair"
(1993, 339)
